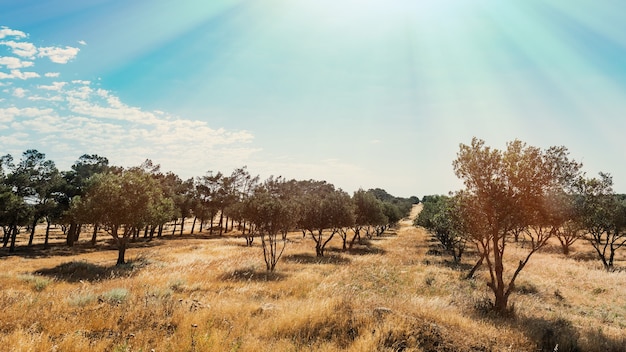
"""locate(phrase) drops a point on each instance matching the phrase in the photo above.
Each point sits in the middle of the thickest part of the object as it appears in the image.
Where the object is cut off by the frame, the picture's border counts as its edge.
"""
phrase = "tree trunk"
(182, 226)
(152, 230)
(121, 244)
(611, 258)
(221, 221)
(476, 266)
(319, 250)
(501, 304)
(13, 236)
(174, 231)
(160, 233)
(45, 244)
(71, 235)
(6, 235)
(94, 235)
(193, 224)
(79, 228)
(32, 232)
(357, 234)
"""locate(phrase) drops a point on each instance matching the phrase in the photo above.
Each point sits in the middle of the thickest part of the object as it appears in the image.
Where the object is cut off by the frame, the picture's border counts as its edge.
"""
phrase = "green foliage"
(508, 192)
(396, 208)
(123, 202)
(322, 208)
(603, 216)
(273, 211)
(38, 283)
(440, 217)
(116, 295)
(368, 209)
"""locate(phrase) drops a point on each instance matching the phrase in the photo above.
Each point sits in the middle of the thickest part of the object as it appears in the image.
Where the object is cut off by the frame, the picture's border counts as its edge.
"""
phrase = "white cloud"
(19, 92)
(18, 74)
(55, 86)
(82, 42)
(23, 49)
(5, 118)
(59, 55)
(49, 98)
(19, 139)
(81, 117)
(25, 112)
(13, 62)
(91, 120)
(8, 32)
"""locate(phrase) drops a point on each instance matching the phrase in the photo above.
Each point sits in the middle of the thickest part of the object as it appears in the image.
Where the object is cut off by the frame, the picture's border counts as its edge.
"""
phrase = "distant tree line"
(138, 202)
(523, 194)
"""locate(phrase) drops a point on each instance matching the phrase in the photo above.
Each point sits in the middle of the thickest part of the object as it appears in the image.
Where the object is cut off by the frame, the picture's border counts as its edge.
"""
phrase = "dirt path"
(417, 237)
(407, 223)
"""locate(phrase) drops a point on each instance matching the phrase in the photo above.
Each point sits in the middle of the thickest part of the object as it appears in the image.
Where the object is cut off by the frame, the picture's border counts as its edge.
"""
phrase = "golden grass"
(213, 294)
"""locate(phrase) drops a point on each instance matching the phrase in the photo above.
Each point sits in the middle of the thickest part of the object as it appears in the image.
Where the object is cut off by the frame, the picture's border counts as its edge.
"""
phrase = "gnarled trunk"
(48, 223)
(71, 234)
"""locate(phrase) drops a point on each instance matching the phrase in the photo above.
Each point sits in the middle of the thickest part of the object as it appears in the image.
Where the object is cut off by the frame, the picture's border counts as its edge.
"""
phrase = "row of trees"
(125, 202)
(524, 194)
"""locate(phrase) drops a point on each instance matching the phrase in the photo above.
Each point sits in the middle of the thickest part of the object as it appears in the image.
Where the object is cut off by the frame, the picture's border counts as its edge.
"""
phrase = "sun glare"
(372, 10)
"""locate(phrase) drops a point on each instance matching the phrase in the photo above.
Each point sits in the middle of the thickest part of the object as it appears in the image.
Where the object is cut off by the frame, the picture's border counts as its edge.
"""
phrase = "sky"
(360, 93)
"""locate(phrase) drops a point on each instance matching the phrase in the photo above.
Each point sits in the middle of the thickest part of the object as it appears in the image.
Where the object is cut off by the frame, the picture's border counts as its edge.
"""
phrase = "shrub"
(37, 283)
(116, 295)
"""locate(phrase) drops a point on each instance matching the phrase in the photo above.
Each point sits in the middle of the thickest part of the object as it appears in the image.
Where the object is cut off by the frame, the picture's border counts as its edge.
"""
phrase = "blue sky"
(367, 93)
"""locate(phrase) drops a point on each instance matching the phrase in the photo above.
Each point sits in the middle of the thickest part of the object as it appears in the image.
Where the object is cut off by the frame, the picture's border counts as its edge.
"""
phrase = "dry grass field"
(396, 293)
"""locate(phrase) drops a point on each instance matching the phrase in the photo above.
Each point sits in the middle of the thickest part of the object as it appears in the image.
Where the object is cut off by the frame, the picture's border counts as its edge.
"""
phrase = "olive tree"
(507, 190)
(603, 217)
(77, 180)
(368, 212)
(272, 212)
(121, 203)
(14, 212)
(323, 212)
(440, 216)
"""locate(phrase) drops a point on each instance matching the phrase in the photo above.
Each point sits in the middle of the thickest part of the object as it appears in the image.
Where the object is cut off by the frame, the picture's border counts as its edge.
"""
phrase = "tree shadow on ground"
(312, 259)
(76, 271)
(383, 236)
(559, 334)
(198, 236)
(584, 256)
(458, 266)
(251, 274)
(359, 250)
(550, 335)
(38, 251)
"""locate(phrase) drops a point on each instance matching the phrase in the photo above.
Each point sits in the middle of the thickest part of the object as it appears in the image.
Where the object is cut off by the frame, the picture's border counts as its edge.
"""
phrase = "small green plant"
(177, 285)
(598, 290)
(116, 295)
(37, 283)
